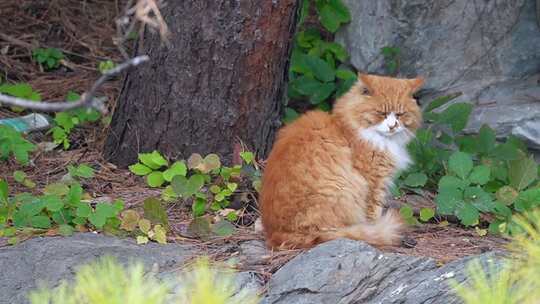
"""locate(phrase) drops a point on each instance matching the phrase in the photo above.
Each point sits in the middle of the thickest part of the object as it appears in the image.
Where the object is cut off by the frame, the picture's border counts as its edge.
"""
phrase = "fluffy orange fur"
(328, 173)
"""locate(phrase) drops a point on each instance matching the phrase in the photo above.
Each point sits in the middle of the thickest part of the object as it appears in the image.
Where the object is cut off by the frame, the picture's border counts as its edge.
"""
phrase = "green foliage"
(106, 65)
(65, 122)
(106, 281)
(20, 90)
(13, 143)
(317, 72)
(202, 181)
(63, 206)
(471, 174)
(49, 58)
(20, 177)
(516, 279)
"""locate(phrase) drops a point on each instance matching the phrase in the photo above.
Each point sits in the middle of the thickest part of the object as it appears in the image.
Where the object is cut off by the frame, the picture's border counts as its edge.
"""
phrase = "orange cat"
(328, 174)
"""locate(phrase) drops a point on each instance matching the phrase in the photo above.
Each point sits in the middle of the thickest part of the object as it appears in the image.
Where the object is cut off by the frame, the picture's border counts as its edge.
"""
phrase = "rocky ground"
(340, 271)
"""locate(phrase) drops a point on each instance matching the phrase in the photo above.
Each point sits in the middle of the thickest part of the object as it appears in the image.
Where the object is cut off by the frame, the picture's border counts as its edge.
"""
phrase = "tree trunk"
(221, 82)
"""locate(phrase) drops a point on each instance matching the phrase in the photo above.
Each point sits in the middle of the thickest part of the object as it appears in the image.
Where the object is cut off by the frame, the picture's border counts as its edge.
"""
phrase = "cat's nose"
(396, 124)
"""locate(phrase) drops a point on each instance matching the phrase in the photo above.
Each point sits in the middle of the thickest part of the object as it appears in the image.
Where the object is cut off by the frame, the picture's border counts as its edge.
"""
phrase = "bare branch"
(87, 99)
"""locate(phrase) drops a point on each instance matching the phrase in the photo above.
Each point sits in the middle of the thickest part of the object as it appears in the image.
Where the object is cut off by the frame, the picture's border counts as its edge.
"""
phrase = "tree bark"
(221, 82)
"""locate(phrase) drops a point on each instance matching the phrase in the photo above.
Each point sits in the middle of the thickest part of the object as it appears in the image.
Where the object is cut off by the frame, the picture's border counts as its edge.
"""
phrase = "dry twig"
(87, 99)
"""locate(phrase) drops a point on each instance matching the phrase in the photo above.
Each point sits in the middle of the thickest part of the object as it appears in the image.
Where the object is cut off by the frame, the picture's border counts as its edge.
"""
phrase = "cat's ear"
(415, 84)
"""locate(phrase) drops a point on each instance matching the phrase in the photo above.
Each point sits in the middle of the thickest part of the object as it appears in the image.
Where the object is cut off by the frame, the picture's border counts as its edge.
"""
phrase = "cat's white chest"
(395, 146)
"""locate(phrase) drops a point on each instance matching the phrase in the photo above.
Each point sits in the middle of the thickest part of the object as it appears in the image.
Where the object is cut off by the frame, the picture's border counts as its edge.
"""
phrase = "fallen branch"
(87, 99)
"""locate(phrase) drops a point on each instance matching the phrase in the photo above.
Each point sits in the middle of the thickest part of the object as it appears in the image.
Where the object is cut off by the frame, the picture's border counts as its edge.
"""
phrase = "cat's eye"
(400, 114)
(382, 113)
(365, 91)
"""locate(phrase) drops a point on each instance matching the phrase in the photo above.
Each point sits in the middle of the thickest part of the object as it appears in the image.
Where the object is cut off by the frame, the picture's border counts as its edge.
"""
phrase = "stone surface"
(340, 271)
(345, 271)
(488, 50)
(54, 258)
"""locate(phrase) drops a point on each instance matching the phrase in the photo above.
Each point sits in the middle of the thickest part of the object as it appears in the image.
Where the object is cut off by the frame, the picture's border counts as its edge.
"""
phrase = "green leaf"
(40, 221)
(140, 169)
(486, 139)
(98, 220)
(178, 168)
(152, 160)
(507, 195)
(65, 230)
(416, 180)
(83, 210)
(82, 170)
(290, 115)
(56, 189)
(468, 215)
(461, 164)
(480, 175)
(456, 115)
(320, 68)
(528, 199)
(247, 156)
(333, 14)
(426, 214)
(440, 101)
(506, 151)
(53, 203)
(19, 176)
(75, 194)
(448, 199)
(155, 212)
(223, 228)
(232, 186)
(345, 74)
(449, 182)
(4, 191)
(32, 207)
(155, 179)
(522, 172)
(187, 187)
(199, 207)
(406, 211)
(480, 199)
(232, 217)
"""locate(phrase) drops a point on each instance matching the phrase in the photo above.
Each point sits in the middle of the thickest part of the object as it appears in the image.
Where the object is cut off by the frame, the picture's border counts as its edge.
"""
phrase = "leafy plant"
(63, 207)
(20, 90)
(65, 122)
(20, 177)
(106, 65)
(13, 143)
(317, 72)
(201, 181)
(471, 174)
(49, 58)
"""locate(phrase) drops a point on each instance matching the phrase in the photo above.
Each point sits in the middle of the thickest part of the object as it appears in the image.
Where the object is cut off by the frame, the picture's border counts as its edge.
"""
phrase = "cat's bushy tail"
(386, 230)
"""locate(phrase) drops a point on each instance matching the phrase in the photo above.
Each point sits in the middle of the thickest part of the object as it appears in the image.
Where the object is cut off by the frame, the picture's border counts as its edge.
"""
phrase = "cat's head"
(384, 106)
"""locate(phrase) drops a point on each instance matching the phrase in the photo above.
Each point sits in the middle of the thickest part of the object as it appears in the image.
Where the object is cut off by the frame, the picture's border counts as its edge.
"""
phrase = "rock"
(488, 50)
(345, 271)
(52, 259)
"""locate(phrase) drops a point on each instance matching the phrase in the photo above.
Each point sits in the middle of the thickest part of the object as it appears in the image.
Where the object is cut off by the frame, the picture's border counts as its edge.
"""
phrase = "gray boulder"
(49, 260)
(52, 259)
(346, 271)
(487, 50)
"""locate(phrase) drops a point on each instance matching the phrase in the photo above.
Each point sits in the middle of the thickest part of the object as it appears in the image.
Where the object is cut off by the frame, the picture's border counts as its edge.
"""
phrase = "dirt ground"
(83, 30)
